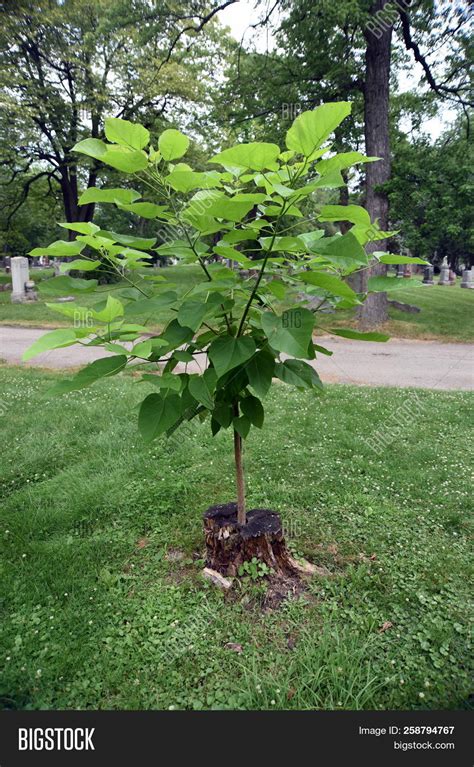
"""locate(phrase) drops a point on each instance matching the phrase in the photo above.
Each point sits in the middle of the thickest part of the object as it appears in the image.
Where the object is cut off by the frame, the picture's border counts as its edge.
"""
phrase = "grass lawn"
(37, 314)
(446, 313)
(103, 602)
(38, 275)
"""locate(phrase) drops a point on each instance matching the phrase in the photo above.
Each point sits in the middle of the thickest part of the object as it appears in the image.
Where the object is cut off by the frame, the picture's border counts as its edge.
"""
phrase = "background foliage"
(65, 65)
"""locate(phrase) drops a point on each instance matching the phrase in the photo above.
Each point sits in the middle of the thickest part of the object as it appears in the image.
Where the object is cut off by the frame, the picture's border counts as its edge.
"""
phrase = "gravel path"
(422, 364)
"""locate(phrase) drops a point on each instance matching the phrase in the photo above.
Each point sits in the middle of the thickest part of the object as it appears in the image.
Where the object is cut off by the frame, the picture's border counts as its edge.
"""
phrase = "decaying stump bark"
(230, 544)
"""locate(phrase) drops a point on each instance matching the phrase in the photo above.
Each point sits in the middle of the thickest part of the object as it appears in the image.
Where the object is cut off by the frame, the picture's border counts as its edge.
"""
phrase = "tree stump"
(229, 544)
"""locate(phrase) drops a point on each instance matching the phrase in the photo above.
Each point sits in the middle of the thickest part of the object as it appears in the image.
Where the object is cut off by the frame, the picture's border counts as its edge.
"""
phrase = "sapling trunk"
(239, 474)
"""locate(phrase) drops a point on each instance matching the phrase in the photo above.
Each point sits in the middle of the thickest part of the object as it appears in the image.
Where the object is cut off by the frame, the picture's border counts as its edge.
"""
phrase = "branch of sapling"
(260, 275)
(116, 270)
(192, 244)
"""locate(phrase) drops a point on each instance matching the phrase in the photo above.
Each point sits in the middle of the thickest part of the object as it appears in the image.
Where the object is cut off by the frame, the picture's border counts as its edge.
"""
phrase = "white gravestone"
(467, 279)
(20, 275)
(444, 275)
(22, 286)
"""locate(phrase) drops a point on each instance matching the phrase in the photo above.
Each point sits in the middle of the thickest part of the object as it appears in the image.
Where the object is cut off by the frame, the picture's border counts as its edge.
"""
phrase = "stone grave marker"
(444, 276)
(467, 279)
(22, 287)
(428, 275)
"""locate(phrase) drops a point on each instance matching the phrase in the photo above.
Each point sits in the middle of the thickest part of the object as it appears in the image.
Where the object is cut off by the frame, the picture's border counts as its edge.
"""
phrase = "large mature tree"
(66, 64)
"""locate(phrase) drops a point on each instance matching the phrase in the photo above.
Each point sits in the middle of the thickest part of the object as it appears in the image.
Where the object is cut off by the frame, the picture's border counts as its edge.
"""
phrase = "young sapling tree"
(249, 318)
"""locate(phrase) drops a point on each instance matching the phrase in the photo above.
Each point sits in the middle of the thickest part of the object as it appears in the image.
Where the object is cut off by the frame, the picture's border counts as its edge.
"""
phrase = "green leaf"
(78, 313)
(151, 305)
(287, 244)
(344, 251)
(222, 413)
(141, 243)
(202, 387)
(277, 288)
(242, 425)
(173, 144)
(372, 233)
(215, 427)
(322, 350)
(353, 213)
(144, 209)
(158, 413)
(311, 129)
(59, 248)
(291, 333)
(342, 161)
(239, 235)
(125, 133)
(390, 258)
(227, 251)
(182, 355)
(329, 181)
(253, 409)
(227, 352)
(124, 159)
(257, 155)
(229, 209)
(260, 371)
(177, 250)
(143, 349)
(93, 194)
(105, 367)
(98, 243)
(67, 286)
(113, 309)
(53, 340)
(135, 329)
(358, 336)
(83, 227)
(176, 335)
(92, 147)
(328, 282)
(298, 373)
(132, 294)
(114, 348)
(81, 264)
(192, 313)
(310, 238)
(380, 284)
(187, 180)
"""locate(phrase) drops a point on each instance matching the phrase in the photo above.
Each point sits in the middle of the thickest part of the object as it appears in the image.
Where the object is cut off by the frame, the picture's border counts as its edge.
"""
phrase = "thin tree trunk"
(377, 143)
(239, 474)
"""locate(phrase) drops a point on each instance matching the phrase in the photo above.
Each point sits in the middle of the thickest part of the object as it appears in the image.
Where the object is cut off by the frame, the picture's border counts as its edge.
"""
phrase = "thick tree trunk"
(72, 210)
(377, 143)
(230, 544)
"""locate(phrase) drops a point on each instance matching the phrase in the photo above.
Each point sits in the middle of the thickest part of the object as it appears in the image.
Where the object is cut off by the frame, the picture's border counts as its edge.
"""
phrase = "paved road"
(423, 364)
